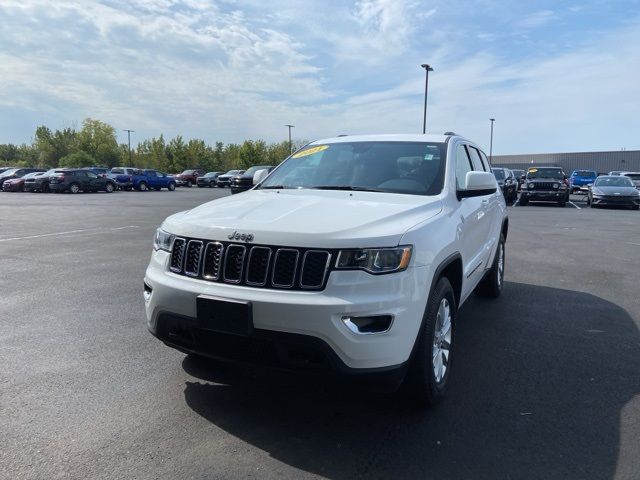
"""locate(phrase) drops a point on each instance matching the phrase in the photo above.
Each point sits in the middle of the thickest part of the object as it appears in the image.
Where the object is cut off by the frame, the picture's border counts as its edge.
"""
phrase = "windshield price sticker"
(310, 151)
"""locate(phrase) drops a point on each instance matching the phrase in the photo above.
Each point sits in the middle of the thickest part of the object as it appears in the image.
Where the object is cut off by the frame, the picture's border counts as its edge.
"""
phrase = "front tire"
(189, 184)
(171, 187)
(74, 188)
(142, 187)
(109, 188)
(429, 373)
(491, 285)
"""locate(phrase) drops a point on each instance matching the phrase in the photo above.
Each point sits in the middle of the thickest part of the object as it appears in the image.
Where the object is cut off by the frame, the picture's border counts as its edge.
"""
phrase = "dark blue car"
(581, 178)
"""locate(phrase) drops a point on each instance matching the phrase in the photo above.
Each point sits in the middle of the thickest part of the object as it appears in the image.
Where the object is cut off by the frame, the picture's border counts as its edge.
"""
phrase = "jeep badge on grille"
(244, 237)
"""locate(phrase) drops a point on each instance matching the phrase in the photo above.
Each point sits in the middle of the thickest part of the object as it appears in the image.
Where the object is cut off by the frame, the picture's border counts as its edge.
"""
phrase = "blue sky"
(557, 76)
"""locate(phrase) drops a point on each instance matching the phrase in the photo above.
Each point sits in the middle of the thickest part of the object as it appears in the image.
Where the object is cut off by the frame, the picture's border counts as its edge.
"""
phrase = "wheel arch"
(451, 269)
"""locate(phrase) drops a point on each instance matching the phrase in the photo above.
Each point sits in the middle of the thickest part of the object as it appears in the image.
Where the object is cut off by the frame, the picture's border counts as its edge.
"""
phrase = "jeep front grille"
(251, 265)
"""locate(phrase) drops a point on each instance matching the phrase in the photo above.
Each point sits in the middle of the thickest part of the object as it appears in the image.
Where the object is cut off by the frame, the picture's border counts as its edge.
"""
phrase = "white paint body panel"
(437, 227)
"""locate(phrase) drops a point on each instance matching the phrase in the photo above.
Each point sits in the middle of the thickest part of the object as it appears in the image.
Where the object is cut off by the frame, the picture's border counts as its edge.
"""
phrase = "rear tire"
(74, 188)
(109, 188)
(171, 187)
(189, 184)
(427, 379)
(142, 187)
(491, 285)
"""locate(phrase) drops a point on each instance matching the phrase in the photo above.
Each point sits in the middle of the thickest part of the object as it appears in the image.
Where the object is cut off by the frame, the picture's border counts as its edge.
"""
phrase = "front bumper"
(616, 201)
(10, 187)
(315, 317)
(543, 195)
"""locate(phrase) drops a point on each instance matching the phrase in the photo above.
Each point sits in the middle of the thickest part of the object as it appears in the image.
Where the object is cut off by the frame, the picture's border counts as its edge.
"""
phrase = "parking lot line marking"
(101, 229)
(579, 208)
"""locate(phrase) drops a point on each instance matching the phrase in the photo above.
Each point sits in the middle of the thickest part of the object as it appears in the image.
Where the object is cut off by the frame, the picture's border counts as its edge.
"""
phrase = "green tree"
(78, 159)
(98, 139)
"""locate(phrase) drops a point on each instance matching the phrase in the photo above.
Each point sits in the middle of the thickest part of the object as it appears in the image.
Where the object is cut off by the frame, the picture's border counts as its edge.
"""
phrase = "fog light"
(366, 325)
(146, 293)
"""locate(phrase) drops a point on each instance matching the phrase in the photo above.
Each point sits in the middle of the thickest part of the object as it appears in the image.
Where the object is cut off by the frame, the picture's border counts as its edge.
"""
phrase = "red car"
(17, 184)
(188, 177)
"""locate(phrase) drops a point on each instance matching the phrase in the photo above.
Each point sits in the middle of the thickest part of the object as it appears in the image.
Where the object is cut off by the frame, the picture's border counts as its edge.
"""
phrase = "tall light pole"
(427, 69)
(290, 145)
(129, 141)
(491, 143)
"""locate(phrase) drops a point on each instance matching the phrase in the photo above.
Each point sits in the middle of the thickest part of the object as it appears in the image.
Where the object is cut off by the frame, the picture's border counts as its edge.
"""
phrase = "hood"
(614, 190)
(307, 218)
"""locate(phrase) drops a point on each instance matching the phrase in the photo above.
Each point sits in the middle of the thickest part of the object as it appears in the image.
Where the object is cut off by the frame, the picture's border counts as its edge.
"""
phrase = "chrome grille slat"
(258, 266)
(234, 263)
(315, 264)
(177, 254)
(192, 258)
(285, 266)
(212, 261)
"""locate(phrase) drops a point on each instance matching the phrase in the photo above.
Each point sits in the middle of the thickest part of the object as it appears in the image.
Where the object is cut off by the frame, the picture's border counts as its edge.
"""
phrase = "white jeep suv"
(352, 256)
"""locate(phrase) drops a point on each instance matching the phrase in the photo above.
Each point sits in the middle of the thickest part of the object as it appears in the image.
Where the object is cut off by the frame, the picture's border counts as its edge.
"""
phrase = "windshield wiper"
(274, 187)
(347, 187)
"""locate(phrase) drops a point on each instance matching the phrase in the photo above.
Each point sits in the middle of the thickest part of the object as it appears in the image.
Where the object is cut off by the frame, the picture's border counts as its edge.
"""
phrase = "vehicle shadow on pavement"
(539, 381)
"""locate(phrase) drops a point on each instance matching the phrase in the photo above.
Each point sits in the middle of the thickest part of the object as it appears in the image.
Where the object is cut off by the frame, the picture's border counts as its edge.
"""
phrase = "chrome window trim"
(266, 273)
(295, 268)
(224, 272)
(326, 268)
(197, 271)
(184, 246)
(220, 267)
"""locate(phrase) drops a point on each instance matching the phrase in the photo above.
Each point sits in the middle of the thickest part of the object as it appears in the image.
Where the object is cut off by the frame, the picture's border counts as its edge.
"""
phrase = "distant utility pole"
(290, 145)
(427, 69)
(491, 143)
(129, 140)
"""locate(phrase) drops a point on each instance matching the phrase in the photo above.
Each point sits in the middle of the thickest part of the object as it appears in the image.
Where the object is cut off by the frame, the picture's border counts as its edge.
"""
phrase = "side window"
(485, 162)
(475, 159)
(91, 175)
(151, 173)
(463, 166)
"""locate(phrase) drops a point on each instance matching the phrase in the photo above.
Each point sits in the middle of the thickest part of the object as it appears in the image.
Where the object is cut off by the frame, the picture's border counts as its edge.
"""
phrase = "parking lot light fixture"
(491, 143)
(290, 145)
(427, 69)
(129, 141)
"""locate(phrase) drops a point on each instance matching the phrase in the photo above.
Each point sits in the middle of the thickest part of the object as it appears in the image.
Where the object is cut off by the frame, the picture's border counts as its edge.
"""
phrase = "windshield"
(415, 168)
(498, 173)
(211, 174)
(585, 173)
(613, 182)
(554, 173)
(187, 172)
(232, 172)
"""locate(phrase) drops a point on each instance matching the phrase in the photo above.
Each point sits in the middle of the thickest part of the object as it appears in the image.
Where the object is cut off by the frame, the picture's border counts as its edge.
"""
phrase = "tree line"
(96, 144)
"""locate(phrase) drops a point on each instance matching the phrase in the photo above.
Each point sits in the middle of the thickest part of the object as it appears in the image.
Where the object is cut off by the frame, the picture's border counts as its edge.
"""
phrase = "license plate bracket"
(224, 315)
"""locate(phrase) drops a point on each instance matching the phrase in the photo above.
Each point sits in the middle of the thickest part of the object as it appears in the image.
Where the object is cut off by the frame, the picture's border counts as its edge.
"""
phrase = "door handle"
(485, 202)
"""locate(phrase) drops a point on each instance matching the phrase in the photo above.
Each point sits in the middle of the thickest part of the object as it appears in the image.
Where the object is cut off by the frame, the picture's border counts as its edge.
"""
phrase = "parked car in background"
(4, 169)
(545, 184)
(519, 174)
(507, 183)
(244, 181)
(39, 183)
(17, 173)
(613, 190)
(148, 179)
(17, 184)
(635, 178)
(209, 179)
(188, 178)
(123, 176)
(224, 180)
(100, 171)
(615, 173)
(581, 178)
(76, 180)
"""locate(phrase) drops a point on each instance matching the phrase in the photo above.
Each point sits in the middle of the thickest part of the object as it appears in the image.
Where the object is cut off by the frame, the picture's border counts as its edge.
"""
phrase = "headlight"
(163, 240)
(530, 185)
(375, 260)
(555, 185)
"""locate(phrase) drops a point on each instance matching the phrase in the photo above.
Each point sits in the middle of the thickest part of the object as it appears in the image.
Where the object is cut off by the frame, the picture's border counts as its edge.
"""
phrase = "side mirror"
(260, 175)
(589, 184)
(478, 184)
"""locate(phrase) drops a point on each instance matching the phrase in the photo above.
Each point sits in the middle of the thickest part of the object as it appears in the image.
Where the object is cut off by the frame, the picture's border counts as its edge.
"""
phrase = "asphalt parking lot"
(546, 380)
